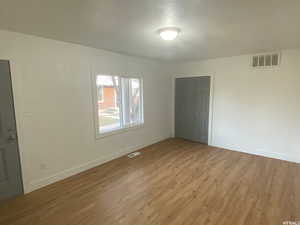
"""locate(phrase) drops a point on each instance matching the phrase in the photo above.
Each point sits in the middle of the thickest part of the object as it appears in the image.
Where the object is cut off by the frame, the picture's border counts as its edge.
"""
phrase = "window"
(100, 93)
(119, 103)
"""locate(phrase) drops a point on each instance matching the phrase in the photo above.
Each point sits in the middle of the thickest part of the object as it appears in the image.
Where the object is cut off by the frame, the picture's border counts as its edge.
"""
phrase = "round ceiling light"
(169, 34)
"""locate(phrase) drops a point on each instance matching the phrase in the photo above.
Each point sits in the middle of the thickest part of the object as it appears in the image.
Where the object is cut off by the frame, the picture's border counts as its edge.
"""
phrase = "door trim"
(9, 61)
(211, 104)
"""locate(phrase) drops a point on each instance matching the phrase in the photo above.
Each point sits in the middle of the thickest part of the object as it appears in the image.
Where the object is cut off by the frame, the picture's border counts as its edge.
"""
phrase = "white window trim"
(98, 135)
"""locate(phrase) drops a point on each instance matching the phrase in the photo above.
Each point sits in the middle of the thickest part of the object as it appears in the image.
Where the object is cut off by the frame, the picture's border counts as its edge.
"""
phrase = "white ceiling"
(210, 28)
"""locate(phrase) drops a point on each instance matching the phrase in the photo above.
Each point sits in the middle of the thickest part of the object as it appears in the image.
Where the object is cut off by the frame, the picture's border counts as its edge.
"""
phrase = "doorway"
(10, 168)
(192, 108)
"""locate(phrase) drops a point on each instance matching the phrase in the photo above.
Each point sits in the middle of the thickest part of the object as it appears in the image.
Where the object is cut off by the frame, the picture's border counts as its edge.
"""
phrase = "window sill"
(119, 131)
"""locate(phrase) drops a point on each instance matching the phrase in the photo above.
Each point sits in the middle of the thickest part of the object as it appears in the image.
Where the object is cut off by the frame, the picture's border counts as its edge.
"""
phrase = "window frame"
(99, 135)
(102, 93)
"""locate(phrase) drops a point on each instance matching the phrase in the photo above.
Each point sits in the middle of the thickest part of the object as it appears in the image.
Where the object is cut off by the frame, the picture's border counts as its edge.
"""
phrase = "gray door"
(192, 96)
(10, 173)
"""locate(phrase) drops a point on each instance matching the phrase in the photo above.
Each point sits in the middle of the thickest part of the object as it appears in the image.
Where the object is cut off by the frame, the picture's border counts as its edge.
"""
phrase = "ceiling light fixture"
(169, 34)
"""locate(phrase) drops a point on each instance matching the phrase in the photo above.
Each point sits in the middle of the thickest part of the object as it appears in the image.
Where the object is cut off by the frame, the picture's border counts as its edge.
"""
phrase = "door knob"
(11, 136)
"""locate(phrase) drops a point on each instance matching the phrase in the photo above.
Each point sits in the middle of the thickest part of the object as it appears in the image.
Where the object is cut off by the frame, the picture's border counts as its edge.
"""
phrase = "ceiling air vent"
(265, 60)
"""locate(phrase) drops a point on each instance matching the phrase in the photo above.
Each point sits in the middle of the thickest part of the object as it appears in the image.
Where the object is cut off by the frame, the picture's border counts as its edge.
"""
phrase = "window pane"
(131, 101)
(119, 102)
(135, 101)
(125, 101)
(100, 93)
(108, 103)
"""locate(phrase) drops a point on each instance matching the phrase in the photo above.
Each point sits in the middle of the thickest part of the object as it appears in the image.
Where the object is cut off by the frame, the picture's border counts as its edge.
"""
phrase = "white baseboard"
(36, 184)
(274, 155)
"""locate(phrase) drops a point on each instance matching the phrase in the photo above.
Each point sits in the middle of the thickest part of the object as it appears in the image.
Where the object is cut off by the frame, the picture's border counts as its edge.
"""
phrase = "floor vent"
(134, 154)
(265, 60)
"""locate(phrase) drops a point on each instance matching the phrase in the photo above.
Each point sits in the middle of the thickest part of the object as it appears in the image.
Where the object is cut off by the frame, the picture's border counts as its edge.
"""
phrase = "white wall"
(254, 110)
(53, 100)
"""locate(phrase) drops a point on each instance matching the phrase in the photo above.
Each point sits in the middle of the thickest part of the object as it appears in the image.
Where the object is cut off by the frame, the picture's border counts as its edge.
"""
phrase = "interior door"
(10, 172)
(192, 96)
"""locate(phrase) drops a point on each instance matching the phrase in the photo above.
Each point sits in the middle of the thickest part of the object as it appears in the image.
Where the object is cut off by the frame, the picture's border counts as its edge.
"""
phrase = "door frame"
(211, 104)
(17, 123)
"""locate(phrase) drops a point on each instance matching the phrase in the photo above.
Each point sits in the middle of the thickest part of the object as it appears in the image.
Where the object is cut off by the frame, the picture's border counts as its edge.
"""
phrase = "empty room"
(138, 112)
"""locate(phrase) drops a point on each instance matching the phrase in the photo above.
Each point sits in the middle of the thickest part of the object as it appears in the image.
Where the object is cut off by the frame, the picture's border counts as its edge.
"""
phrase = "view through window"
(119, 102)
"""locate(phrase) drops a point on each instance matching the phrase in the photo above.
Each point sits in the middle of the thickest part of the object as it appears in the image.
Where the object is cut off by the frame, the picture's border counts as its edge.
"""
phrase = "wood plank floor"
(173, 182)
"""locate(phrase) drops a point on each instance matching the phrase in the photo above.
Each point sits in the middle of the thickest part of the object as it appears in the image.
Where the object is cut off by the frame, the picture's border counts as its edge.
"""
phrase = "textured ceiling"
(210, 28)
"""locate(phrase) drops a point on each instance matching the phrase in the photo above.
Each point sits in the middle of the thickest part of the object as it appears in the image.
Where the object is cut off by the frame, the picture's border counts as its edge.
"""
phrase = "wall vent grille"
(265, 60)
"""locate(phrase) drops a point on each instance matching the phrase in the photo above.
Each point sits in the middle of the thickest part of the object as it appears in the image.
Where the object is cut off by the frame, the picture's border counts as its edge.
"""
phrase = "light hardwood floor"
(173, 182)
